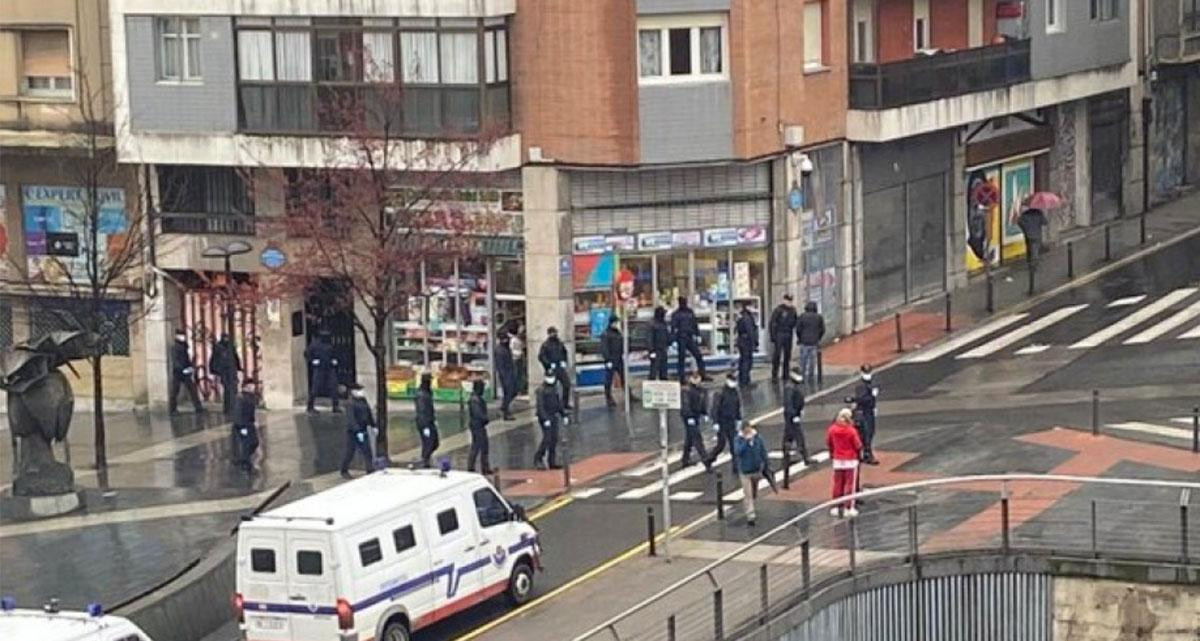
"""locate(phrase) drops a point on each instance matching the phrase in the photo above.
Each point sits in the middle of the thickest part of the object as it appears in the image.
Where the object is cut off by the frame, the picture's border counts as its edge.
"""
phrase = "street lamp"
(227, 251)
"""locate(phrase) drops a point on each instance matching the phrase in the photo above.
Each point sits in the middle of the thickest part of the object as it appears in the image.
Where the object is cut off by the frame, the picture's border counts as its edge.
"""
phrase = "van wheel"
(396, 631)
(520, 584)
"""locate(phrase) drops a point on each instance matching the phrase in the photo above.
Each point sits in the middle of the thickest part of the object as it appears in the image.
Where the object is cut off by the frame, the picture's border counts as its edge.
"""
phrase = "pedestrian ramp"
(1133, 320)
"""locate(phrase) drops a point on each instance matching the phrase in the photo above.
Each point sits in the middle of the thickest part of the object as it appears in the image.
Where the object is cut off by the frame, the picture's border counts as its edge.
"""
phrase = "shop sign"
(272, 258)
(621, 243)
(752, 235)
(655, 240)
(564, 266)
(741, 280)
(590, 245)
(681, 239)
(54, 218)
(795, 199)
(724, 237)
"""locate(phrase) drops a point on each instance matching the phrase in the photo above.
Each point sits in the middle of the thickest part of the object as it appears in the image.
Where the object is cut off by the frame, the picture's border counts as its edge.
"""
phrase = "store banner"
(590, 245)
(56, 220)
(687, 239)
(725, 237)
(655, 241)
(593, 272)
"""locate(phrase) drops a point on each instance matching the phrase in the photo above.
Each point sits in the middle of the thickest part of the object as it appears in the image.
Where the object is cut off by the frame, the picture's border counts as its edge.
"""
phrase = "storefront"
(717, 270)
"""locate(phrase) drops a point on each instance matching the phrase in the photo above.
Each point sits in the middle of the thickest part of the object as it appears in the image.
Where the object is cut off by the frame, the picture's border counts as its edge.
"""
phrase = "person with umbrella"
(1032, 222)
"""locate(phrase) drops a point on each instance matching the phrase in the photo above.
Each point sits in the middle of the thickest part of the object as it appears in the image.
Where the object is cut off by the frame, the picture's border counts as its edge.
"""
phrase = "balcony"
(943, 75)
(218, 224)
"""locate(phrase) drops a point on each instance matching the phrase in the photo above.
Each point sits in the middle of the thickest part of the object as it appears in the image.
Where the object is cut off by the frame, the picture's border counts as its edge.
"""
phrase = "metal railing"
(1067, 516)
(941, 75)
(224, 224)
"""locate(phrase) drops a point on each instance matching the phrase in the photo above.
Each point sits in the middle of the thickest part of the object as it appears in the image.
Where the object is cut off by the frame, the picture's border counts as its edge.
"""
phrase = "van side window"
(404, 538)
(262, 560)
(447, 521)
(308, 562)
(370, 552)
(489, 508)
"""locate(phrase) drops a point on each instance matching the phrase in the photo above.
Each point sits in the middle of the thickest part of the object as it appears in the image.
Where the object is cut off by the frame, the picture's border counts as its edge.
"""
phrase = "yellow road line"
(546, 508)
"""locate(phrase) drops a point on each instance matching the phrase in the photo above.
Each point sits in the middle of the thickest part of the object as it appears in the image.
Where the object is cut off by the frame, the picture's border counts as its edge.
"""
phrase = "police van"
(381, 557)
(50, 624)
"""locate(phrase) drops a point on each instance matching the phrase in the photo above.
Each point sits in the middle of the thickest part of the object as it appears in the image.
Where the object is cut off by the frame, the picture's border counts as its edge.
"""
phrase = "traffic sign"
(660, 395)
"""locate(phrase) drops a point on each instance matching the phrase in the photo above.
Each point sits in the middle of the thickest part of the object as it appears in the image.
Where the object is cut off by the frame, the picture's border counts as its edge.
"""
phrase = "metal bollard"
(805, 569)
(991, 294)
(650, 530)
(1095, 412)
(718, 615)
(720, 497)
(1095, 540)
(1183, 532)
(787, 468)
(1196, 429)
(764, 594)
(1142, 228)
(671, 628)
(899, 334)
(566, 463)
(948, 312)
(1004, 521)
(1108, 242)
(820, 368)
(1070, 260)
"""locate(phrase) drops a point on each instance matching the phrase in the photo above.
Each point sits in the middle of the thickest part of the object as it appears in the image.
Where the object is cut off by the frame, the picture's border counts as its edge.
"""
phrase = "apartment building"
(1171, 33)
(56, 153)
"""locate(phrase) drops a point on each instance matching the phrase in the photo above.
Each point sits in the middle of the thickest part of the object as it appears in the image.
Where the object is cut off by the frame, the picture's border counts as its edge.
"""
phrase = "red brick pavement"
(550, 482)
(877, 344)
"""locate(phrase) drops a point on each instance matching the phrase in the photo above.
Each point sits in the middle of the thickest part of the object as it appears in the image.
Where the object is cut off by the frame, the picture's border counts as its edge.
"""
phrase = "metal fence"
(1118, 519)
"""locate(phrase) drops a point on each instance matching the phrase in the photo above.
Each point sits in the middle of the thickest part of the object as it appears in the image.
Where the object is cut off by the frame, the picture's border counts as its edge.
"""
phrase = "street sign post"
(663, 396)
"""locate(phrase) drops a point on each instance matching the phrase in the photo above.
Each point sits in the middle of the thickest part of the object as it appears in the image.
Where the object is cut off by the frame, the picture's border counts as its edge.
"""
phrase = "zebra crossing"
(1132, 320)
(1175, 428)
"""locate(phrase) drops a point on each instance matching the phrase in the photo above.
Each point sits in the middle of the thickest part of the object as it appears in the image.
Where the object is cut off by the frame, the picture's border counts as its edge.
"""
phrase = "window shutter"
(45, 53)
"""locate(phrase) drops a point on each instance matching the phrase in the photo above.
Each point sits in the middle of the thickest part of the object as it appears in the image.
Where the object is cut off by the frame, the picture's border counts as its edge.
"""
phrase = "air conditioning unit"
(793, 135)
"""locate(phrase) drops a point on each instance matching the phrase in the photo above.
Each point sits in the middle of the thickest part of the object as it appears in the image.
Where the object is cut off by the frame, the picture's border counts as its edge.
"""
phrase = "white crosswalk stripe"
(686, 496)
(819, 457)
(1169, 431)
(1036, 348)
(1009, 338)
(1185, 420)
(653, 466)
(1133, 320)
(1158, 329)
(965, 339)
(587, 493)
(675, 477)
(1128, 300)
(1191, 333)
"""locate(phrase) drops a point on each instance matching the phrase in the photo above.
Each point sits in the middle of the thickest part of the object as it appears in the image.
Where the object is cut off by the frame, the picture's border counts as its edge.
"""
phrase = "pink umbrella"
(1043, 200)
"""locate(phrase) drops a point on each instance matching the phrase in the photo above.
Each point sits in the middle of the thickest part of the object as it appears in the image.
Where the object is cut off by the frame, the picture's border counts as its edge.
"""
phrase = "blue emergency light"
(445, 465)
(7, 604)
(95, 610)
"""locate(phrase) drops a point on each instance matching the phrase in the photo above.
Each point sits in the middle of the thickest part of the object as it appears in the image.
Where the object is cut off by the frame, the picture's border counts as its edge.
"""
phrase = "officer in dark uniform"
(783, 323)
(553, 357)
(426, 419)
(793, 408)
(322, 373)
(612, 350)
(359, 421)
(225, 364)
(693, 409)
(747, 341)
(550, 414)
(686, 331)
(727, 413)
(660, 344)
(865, 395)
(183, 374)
(478, 415)
(245, 427)
(506, 373)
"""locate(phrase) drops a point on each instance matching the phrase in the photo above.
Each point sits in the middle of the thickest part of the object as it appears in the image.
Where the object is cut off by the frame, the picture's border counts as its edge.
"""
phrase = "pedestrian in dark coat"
(793, 409)
(426, 419)
(780, 328)
(550, 415)
(693, 409)
(506, 373)
(686, 331)
(726, 412)
(478, 420)
(183, 374)
(359, 422)
(225, 363)
(245, 425)
(322, 377)
(747, 342)
(866, 392)
(810, 329)
(612, 350)
(660, 344)
(553, 357)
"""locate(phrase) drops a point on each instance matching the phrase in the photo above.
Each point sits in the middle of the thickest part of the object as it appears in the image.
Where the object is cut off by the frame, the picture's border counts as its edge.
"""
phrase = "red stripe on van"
(455, 607)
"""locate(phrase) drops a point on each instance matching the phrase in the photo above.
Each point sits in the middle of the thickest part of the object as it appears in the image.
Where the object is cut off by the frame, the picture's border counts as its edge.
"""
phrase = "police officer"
(612, 350)
(550, 414)
(865, 395)
(426, 419)
(323, 371)
(506, 373)
(747, 342)
(660, 344)
(245, 425)
(359, 422)
(793, 408)
(686, 331)
(693, 409)
(553, 357)
(727, 413)
(225, 364)
(478, 415)
(783, 323)
(182, 374)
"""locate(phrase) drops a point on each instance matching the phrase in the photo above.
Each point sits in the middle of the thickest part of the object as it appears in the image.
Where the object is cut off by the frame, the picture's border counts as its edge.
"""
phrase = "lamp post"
(226, 252)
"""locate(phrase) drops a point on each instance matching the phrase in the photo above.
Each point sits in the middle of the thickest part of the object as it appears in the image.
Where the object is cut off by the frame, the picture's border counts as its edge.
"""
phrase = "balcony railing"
(943, 75)
(222, 224)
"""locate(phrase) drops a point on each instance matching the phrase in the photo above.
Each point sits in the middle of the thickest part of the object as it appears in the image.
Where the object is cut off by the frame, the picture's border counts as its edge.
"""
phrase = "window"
(308, 562)
(46, 64)
(262, 560)
(178, 49)
(681, 48)
(370, 552)
(1191, 16)
(1054, 21)
(814, 42)
(864, 31)
(920, 25)
(447, 521)
(489, 508)
(403, 538)
(1105, 9)
(190, 189)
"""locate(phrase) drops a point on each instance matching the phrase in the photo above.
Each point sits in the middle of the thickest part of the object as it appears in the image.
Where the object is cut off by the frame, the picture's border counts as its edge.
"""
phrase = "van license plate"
(273, 624)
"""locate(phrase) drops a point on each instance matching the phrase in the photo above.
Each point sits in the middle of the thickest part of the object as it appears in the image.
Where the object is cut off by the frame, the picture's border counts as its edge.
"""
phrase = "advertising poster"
(1018, 184)
(593, 272)
(983, 214)
(55, 219)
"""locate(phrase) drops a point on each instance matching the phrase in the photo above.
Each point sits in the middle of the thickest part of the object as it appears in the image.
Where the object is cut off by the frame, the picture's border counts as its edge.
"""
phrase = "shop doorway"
(1107, 128)
(327, 308)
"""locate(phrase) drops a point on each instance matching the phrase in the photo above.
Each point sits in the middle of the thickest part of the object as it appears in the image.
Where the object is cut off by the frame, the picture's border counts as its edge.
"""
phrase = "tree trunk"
(381, 398)
(98, 411)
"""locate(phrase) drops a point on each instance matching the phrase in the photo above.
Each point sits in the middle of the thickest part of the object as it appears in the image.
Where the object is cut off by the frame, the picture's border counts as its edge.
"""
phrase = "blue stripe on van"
(396, 590)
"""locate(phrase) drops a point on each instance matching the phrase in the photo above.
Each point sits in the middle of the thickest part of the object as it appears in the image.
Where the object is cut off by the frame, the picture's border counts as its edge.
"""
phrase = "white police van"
(50, 624)
(380, 557)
